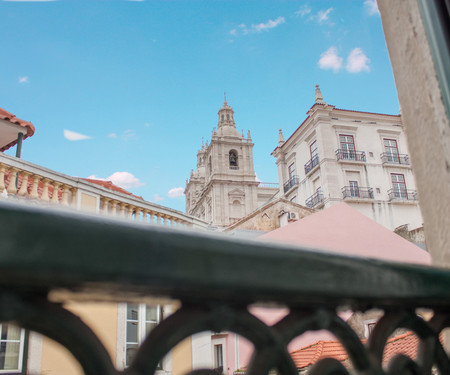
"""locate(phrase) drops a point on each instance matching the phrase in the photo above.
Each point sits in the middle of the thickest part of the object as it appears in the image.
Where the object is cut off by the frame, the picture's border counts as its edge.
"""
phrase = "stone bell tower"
(223, 188)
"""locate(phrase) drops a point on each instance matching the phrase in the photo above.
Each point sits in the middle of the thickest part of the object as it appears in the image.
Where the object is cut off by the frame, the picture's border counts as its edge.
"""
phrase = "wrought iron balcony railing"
(389, 158)
(348, 155)
(216, 279)
(314, 200)
(402, 195)
(357, 192)
(312, 164)
(289, 184)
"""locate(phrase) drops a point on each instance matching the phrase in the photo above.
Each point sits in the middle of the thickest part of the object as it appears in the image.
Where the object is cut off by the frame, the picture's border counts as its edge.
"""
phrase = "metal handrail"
(350, 155)
(289, 184)
(389, 158)
(357, 192)
(216, 279)
(402, 194)
(314, 200)
(310, 165)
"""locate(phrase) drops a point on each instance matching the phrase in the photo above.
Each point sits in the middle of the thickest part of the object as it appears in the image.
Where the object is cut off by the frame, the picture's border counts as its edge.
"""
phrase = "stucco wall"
(424, 116)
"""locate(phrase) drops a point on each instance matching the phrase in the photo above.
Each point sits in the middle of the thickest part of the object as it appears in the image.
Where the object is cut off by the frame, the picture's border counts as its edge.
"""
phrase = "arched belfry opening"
(233, 158)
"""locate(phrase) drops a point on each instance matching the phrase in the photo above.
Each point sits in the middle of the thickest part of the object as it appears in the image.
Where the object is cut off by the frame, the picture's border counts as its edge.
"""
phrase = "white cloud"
(127, 134)
(242, 29)
(112, 135)
(176, 192)
(270, 24)
(303, 11)
(357, 61)
(147, 124)
(330, 59)
(371, 7)
(322, 15)
(157, 198)
(125, 180)
(23, 79)
(72, 136)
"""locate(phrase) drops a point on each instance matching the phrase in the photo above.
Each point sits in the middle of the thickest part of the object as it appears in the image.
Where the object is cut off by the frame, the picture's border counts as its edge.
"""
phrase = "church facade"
(223, 188)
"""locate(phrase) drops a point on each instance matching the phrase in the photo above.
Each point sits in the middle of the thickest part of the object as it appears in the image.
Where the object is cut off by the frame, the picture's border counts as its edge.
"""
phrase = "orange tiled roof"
(306, 356)
(109, 185)
(5, 115)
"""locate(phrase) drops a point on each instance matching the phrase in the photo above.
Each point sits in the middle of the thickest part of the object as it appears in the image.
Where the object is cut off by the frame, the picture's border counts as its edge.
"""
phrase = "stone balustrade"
(32, 183)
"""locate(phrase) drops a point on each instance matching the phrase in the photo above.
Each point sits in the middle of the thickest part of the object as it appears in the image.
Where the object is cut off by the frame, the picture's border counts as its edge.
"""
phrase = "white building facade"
(361, 158)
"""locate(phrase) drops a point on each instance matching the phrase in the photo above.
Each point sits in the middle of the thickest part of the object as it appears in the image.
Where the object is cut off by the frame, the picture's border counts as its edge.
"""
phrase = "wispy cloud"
(242, 29)
(323, 15)
(371, 7)
(303, 11)
(157, 198)
(23, 79)
(176, 192)
(127, 134)
(112, 135)
(73, 136)
(330, 60)
(270, 24)
(357, 61)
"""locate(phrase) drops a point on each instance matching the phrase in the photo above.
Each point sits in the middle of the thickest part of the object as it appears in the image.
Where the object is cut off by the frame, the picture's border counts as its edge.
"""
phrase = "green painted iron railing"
(215, 279)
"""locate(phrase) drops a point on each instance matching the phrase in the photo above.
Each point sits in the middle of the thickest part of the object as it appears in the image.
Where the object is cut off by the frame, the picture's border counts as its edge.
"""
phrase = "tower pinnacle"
(318, 97)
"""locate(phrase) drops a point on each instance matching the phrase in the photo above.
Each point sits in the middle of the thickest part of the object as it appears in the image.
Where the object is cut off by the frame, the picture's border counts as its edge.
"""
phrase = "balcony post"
(130, 212)
(44, 196)
(74, 197)
(12, 188)
(104, 208)
(2, 177)
(55, 196)
(23, 191)
(145, 215)
(122, 209)
(65, 195)
(34, 189)
(114, 208)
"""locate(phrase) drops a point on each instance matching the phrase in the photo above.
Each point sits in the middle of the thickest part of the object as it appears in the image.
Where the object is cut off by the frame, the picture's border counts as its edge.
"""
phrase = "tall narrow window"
(313, 149)
(11, 348)
(399, 186)
(347, 146)
(391, 150)
(291, 170)
(218, 357)
(354, 188)
(210, 164)
(141, 319)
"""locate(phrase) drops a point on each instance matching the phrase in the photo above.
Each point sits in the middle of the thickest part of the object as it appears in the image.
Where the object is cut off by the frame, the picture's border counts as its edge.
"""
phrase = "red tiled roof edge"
(5, 115)
(109, 185)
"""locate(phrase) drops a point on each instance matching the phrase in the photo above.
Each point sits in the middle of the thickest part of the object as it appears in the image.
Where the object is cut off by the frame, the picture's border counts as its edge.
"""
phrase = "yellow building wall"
(101, 318)
(88, 203)
(182, 357)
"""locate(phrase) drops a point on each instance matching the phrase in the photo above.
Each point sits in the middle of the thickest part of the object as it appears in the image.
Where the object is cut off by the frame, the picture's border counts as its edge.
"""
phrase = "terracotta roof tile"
(109, 185)
(405, 344)
(5, 115)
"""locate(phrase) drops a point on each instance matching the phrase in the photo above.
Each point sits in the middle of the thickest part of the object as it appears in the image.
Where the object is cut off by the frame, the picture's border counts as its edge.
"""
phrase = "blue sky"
(133, 86)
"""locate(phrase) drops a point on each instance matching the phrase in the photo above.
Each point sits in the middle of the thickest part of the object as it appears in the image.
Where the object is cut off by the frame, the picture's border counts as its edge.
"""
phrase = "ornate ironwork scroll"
(216, 280)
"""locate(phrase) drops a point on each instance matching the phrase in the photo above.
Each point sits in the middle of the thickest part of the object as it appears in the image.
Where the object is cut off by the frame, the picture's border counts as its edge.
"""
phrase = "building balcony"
(315, 200)
(395, 159)
(293, 181)
(402, 195)
(349, 192)
(46, 264)
(28, 182)
(351, 156)
(312, 164)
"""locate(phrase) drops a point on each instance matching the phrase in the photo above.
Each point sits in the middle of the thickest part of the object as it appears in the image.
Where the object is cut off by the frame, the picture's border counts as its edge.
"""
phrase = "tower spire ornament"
(318, 97)
(225, 98)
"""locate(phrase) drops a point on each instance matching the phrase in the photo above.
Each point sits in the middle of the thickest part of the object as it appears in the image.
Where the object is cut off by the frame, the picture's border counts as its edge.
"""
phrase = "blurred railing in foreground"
(216, 279)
